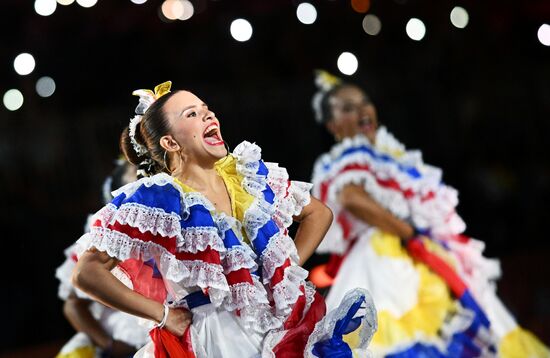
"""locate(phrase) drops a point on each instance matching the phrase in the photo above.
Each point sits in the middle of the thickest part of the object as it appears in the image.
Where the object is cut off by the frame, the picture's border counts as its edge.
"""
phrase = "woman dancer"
(102, 331)
(216, 226)
(397, 234)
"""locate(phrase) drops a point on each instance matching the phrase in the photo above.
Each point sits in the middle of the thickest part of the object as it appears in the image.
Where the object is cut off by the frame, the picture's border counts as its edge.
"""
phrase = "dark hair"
(321, 103)
(153, 126)
(115, 180)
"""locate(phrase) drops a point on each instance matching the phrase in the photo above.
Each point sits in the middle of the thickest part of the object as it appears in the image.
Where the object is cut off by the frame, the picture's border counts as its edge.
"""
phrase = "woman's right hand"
(178, 320)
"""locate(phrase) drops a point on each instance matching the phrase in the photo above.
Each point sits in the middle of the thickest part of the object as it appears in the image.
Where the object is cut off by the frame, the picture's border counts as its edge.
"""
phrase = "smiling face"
(352, 114)
(194, 129)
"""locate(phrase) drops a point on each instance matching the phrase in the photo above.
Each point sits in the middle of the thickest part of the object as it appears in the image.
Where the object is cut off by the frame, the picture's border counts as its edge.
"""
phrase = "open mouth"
(212, 136)
(365, 123)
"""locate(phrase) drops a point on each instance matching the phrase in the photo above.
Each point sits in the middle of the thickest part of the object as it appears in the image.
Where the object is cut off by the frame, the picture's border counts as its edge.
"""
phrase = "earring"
(227, 147)
(164, 160)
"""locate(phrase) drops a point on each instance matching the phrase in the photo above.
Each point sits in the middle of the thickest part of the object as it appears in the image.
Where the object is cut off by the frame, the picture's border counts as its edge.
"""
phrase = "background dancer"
(396, 233)
(102, 331)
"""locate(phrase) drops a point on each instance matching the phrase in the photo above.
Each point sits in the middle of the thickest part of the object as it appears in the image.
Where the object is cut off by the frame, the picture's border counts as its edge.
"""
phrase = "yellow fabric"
(80, 352)
(434, 300)
(385, 244)
(240, 199)
(520, 343)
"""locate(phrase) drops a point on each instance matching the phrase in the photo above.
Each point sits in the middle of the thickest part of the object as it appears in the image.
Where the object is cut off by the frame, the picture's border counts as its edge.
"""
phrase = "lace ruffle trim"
(325, 327)
(279, 248)
(286, 292)
(185, 272)
(142, 217)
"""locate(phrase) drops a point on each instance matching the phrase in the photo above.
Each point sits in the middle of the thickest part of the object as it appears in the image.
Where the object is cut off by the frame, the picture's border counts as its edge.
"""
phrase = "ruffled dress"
(119, 325)
(237, 274)
(437, 296)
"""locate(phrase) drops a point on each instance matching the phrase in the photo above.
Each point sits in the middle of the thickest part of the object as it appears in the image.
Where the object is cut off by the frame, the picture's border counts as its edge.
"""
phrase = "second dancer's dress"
(436, 296)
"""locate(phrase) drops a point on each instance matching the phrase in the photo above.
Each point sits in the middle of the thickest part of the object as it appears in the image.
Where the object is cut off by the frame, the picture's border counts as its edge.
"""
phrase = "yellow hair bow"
(325, 80)
(147, 97)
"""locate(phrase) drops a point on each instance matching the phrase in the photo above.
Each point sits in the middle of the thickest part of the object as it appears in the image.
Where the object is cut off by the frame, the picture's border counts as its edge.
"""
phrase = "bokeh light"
(544, 34)
(360, 6)
(45, 7)
(459, 17)
(24, 64)
(241, 30)
(139, 2)
(86, 3)
(13, 99)
(65, 2)
(172, 9)
(416, 29)
(372, 24)
(45, 86)
(306, 13)
(347, 63)
(188, 10)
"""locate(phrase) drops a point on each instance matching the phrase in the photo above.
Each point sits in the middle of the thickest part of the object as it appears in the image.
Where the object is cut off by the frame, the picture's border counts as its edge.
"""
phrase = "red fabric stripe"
(297, 311)
(143, 281)
(169, 243)
(168, 345)
(295, 339)
(387, 183)
(440, 267)
(279, 273)
(344, 224)
(241, 275)
(209, 256)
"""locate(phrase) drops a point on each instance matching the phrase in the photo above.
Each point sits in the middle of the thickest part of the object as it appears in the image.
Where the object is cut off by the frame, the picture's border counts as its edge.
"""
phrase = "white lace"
(198, 238)
(325, 327)
(142, 217)
(286, 292)
(239, 257)
(279, 248)
(438, 213)
(184, 272)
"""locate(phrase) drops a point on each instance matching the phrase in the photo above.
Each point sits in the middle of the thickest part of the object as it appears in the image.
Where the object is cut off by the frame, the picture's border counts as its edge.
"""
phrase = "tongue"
(213, 139)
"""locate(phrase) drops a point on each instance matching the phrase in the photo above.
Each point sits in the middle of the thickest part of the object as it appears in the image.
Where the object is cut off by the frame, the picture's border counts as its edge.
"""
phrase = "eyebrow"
(191, 106)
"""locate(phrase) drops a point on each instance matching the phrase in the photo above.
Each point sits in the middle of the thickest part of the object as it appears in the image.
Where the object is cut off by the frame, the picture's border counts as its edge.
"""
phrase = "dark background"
(475, 100)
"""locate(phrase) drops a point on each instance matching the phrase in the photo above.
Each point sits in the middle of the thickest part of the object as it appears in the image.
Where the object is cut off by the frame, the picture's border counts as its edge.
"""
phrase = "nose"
(208, 116)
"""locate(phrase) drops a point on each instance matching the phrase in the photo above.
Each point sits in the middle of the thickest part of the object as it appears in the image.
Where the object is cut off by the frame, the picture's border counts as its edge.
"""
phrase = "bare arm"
(77, 312)
(361, 205)
(93, 276)
(315, 219)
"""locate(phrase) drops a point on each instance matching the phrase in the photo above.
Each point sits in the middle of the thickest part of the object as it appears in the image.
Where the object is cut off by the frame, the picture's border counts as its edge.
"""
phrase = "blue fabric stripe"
(164, 197)
(335, 346)
(230, 239)
(418, 350)
(410, 170)
(264, 234)
(198, 216)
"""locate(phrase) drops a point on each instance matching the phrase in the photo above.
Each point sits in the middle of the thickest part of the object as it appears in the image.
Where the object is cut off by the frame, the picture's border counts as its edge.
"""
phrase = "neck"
(199, 176)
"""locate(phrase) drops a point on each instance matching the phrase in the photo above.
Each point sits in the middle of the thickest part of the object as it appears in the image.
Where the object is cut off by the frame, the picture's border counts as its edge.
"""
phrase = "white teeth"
(210, 128)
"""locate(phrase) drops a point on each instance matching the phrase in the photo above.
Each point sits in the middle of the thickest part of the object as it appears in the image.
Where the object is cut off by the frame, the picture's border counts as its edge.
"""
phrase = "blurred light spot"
(172, 9)
(372, 24)
(306, 13)
(241, 30)
(139, 2)
(416, 29)
(459, 17)
(13, 99)
(86, 3)
(188, 10)
(347, 63)
(45, 86)
(544, 34)
(24, 64)
(361, 6)
(65, 2)
(45, 7)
